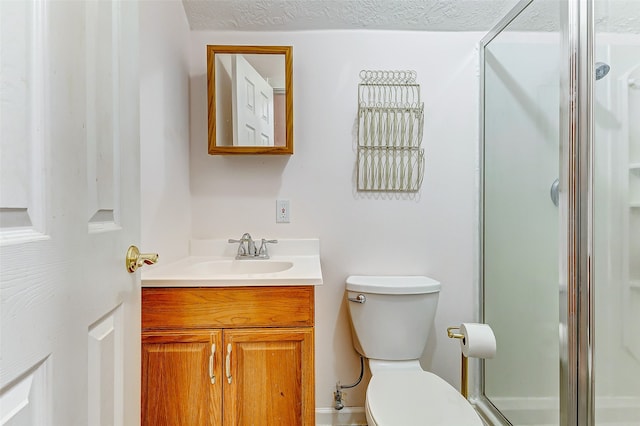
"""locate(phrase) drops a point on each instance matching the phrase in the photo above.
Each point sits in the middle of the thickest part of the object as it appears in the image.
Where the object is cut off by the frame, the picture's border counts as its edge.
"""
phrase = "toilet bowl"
(416, 398)
(391, 317)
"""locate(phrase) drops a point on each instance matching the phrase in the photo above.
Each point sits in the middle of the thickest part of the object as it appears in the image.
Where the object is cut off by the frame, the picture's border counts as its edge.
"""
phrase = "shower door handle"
(554, 192)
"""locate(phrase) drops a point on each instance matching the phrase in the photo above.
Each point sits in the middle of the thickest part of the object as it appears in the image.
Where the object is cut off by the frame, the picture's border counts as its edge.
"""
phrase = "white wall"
(164, 129)
(431, 233)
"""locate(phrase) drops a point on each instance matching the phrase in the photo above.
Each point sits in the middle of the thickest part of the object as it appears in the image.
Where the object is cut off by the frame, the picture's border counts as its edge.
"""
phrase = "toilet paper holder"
(464, 361)
(453, 335)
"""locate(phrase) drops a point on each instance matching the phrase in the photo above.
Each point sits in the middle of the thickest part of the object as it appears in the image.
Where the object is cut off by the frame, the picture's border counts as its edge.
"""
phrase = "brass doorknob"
(135, 259)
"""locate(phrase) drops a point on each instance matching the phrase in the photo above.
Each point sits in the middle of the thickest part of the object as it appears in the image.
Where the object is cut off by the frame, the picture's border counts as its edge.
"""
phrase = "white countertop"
(212, 264)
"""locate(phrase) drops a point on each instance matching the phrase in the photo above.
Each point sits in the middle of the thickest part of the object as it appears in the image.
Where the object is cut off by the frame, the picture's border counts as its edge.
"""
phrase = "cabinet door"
(271, 377)
(177, 384)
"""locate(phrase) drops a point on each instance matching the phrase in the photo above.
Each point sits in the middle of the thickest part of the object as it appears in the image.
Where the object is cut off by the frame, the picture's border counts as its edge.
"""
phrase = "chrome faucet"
(247, 247)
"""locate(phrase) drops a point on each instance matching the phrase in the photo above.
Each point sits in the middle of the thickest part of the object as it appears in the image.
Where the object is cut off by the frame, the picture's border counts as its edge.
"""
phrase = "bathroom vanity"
(229, 348)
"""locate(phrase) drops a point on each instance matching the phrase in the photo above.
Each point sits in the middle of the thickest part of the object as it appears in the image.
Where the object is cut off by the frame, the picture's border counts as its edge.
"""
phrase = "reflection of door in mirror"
(252, 101)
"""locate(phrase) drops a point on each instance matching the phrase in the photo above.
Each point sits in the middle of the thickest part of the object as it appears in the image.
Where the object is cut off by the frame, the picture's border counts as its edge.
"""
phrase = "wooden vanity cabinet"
(194, 338)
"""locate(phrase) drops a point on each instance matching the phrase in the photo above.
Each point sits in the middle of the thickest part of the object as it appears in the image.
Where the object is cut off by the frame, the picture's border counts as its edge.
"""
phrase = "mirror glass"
(250, 99)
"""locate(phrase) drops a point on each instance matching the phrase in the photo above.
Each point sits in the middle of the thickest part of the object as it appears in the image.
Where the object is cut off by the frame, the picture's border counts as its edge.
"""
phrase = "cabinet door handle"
(212, 375)
(228, 363)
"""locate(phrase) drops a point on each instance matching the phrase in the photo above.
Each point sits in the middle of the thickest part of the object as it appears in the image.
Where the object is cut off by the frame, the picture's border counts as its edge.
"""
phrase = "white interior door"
(252, 98)
(69, 156)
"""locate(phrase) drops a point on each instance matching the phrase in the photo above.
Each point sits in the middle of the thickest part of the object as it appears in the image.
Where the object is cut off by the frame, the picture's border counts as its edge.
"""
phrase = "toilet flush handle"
(361, 298)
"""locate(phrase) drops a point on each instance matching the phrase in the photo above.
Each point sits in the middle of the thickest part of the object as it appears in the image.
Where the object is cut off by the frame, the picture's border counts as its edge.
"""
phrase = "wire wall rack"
(390, 124)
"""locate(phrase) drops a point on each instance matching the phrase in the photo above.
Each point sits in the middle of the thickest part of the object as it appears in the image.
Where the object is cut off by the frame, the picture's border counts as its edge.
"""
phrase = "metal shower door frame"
(577, 369)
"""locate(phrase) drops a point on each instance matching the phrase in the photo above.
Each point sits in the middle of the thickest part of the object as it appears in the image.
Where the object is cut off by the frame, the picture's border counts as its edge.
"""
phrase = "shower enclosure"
(560, 214)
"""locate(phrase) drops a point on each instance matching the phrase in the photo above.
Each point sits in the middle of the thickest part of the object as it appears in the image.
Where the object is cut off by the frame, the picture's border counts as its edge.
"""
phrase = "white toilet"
(391, 318)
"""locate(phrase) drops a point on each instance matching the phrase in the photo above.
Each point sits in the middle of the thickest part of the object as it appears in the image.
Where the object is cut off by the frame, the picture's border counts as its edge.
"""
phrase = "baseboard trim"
(348, 416)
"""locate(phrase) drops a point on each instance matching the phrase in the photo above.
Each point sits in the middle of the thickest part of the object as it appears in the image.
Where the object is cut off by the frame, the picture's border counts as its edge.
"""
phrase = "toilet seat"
(416, 398)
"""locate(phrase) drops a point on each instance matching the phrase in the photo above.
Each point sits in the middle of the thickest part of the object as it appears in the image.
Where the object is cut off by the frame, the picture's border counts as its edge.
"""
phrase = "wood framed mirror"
(250, 96)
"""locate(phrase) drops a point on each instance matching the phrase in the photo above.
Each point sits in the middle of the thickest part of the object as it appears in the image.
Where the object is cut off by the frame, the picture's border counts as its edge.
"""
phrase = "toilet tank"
(396, 317)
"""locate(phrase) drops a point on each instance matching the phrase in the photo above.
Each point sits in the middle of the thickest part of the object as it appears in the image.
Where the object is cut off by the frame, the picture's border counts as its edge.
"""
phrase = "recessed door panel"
(253, 105)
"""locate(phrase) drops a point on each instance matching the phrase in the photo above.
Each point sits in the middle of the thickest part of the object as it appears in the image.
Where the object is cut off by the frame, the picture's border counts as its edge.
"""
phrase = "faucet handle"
(245, 237)
(263, 252)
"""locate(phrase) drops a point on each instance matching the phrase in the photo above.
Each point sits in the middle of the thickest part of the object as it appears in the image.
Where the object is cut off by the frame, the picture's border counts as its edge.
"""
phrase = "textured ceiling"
(291, 15)
(424, 15)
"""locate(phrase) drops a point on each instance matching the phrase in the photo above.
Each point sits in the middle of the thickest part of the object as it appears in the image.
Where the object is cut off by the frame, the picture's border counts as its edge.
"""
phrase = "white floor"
(620, 413)
(348, 416)
(610, 411)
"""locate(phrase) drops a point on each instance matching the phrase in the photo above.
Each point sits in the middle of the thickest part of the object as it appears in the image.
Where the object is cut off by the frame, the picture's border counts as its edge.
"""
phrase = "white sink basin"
(229, 267)
(212, 264)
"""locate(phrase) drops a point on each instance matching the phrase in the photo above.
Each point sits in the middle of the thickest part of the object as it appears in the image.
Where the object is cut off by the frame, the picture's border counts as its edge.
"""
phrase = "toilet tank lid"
(392, 284)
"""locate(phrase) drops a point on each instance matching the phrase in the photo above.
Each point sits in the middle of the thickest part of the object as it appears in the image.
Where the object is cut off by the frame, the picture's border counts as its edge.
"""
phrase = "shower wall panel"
(617, 230)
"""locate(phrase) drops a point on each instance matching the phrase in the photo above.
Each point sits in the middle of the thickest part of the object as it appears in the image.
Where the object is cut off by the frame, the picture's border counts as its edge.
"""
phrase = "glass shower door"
(520, 215)
(560, 263)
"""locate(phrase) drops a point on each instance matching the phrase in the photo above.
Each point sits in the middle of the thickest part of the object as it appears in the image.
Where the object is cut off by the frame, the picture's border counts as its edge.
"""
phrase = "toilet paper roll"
(478, 342)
